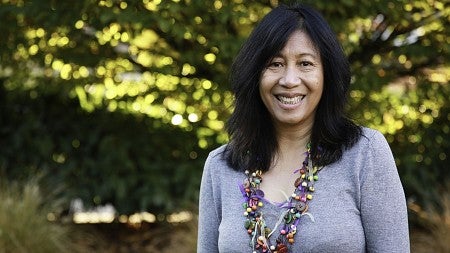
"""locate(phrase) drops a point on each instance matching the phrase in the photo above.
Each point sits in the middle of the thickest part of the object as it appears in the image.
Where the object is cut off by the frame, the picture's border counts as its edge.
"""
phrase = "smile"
(290, 100)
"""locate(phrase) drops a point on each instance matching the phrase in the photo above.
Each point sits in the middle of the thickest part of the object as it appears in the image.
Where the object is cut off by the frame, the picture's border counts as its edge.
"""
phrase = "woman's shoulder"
(372, 136)
(216, 166)
(371, 139)
(369, 153)
(218, 151)
(216, 157)
(217, 154)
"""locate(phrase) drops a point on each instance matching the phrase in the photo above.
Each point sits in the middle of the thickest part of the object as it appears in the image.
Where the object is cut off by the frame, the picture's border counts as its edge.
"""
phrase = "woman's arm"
(383, 205)
(209, 214)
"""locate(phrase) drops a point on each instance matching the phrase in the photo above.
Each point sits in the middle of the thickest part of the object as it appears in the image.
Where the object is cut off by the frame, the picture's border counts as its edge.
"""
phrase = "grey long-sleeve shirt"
(358, 205)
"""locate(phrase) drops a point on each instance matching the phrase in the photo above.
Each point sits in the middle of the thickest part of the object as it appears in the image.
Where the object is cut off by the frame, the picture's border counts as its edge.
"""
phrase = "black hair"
(253, 141)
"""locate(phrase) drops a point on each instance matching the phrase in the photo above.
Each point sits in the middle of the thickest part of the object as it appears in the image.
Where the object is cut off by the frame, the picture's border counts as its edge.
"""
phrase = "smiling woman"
(292, 83)
(261, 192)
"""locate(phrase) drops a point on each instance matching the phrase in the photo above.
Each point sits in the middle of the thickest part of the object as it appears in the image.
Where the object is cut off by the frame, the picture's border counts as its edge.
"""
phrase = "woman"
(297, 175)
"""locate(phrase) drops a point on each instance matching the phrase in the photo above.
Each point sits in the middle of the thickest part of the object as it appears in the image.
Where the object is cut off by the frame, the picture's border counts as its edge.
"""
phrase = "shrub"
(431, 230)
(24, 221)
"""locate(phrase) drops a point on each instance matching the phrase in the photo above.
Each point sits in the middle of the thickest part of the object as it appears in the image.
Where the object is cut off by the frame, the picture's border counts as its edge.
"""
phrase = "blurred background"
(109, 108)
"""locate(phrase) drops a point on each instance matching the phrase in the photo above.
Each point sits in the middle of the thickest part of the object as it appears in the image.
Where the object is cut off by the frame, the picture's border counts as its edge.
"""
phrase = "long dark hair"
(253, 141)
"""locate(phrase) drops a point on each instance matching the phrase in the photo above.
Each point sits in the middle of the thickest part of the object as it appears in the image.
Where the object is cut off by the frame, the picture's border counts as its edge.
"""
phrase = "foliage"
(122, 100)
(434, 227)
(24, 226)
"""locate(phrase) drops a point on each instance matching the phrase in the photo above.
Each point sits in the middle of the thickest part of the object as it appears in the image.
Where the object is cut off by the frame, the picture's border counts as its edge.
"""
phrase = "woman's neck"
(292, 142)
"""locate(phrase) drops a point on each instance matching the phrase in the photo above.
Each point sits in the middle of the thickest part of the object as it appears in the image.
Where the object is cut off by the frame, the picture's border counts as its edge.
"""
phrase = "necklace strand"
(295, 207)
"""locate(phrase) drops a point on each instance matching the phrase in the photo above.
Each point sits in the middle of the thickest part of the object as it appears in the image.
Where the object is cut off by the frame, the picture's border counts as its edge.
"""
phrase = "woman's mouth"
(290, 100)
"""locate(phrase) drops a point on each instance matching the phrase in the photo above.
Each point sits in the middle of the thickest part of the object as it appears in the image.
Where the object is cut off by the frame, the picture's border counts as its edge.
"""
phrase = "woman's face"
(291, 85)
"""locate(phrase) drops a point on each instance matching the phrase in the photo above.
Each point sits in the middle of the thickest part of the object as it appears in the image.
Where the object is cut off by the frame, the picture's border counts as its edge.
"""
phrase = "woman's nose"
(290, 78)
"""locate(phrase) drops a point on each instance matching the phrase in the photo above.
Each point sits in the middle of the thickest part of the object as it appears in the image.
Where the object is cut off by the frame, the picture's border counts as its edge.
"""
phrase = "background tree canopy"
(121, 101)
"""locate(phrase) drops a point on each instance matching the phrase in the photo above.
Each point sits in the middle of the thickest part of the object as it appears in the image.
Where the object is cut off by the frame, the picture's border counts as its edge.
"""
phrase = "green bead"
(288, 218)
(247, 224)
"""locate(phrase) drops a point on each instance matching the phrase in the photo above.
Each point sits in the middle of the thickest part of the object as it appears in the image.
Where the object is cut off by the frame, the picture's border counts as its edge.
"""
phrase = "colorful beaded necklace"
(296, 207)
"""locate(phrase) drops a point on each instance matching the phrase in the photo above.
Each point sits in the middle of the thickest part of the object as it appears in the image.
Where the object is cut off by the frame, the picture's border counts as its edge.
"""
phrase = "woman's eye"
(306, 63)
(275, 65)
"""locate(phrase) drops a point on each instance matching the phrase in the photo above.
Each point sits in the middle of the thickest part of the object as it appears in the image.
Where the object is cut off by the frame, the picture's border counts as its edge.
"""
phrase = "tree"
(122, 100)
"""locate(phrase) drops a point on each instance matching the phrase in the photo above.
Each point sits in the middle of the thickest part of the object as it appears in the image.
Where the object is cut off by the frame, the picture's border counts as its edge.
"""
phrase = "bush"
(432, 227)
(24, 223)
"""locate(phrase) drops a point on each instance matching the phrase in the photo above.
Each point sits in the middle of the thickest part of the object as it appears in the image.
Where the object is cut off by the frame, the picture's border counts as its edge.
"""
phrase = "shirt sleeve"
(383, 204)
(209, 211)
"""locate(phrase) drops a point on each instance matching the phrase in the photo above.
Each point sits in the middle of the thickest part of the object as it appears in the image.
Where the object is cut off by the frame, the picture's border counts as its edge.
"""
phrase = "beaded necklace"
(296, 207)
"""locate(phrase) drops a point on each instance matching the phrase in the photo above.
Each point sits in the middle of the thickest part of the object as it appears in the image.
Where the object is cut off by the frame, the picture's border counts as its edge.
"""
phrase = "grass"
(431, 231)
(24, 221)
(28, 225)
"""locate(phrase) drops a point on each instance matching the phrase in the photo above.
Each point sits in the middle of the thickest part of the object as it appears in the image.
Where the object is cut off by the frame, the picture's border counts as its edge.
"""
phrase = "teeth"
(290, 101)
